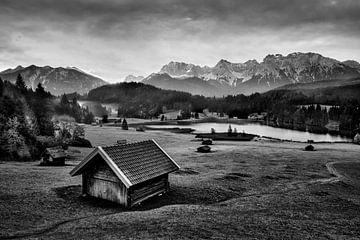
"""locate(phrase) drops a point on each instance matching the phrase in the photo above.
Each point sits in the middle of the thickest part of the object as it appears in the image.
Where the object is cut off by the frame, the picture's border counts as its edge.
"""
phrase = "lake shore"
(241, 190)
(135, 123)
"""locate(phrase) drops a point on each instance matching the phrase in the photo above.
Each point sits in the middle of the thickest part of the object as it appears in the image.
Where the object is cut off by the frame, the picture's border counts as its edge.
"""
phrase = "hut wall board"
(101, 182)
(112, 191)
(148, 189)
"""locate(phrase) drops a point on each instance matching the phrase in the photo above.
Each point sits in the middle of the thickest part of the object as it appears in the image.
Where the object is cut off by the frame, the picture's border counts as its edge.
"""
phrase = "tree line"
(284, 108)
(26, 114)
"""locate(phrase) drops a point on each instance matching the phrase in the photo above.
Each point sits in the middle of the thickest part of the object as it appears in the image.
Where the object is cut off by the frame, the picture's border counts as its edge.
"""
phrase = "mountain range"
(251, 76)
(55, 80)
(225, 78)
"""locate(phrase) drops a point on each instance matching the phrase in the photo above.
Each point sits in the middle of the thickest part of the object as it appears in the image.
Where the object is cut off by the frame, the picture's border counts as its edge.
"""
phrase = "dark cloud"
(172, 28)
(111, 15)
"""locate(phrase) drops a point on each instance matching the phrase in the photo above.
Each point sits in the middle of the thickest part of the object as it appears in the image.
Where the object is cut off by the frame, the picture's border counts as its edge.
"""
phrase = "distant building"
(170, 114)
(126, 173)
(257, 116)
(53, 156)
(206, 111)
(121, 142)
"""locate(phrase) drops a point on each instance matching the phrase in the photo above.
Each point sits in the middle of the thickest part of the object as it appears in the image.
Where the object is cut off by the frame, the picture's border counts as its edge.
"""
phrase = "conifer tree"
(20, 83)
(74, 101)
(1, 86)
(124, 125)
(40, 90)
(64, 100)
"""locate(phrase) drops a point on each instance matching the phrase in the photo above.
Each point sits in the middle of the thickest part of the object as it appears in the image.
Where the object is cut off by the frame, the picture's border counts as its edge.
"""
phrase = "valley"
(172, 119)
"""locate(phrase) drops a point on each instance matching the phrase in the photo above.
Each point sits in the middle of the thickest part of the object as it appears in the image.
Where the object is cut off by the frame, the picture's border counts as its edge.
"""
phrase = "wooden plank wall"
(108, 190)
(101, 182)
(103, 171)
(148, 189)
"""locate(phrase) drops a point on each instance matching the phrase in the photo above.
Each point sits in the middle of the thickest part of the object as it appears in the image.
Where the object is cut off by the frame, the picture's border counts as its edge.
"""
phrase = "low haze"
(112, 39)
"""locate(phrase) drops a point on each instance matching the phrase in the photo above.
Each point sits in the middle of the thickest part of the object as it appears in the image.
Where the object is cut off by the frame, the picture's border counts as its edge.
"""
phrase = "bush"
(309, 148)
(104, 119)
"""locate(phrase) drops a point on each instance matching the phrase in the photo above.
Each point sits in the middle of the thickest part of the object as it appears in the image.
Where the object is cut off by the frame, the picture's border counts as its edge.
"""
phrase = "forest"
(140, 100)
(28, 119)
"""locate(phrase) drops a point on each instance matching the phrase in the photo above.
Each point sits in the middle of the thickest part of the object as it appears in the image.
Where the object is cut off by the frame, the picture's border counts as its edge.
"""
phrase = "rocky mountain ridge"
(252, 76)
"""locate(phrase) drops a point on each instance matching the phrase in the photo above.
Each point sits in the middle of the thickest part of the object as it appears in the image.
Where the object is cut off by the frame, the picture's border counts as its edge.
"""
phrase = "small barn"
(53, 156)
(121, 142)
(126, 173)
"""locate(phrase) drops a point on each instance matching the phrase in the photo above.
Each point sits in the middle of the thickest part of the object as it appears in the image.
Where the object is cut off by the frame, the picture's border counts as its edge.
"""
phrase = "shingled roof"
(133, 163)
(55, 152)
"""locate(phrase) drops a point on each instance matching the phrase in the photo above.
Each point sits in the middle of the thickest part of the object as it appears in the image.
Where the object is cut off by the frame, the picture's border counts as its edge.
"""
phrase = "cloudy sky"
(114, 38)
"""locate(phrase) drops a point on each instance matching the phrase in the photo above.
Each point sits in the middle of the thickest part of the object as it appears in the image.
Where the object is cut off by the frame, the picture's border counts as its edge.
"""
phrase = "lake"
(262, 130)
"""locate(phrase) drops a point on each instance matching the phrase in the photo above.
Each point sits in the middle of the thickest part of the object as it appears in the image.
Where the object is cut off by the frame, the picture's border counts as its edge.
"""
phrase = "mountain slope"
(55, 80)
(331, 92)
(321, 85)
(140, 100)
(132, 78)
(252, 76)
(193, 85)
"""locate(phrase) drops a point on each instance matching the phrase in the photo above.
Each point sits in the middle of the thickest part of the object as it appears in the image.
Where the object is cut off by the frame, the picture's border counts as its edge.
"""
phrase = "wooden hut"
(53, 157)
(121, 142)
(127, 173)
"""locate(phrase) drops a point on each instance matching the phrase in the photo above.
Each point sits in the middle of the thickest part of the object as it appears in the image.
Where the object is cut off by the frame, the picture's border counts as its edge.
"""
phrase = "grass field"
(250, 190)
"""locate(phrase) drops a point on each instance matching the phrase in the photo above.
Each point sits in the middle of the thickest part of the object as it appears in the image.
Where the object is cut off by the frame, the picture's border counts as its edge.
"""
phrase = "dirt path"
(342, 176)
(27, 234)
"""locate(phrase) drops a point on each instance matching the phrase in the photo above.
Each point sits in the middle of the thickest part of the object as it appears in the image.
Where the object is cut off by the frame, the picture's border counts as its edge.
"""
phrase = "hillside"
(140, 100)
(193, 85)
(55, 80)
(321, 84)
(326, 92)
(123, 92)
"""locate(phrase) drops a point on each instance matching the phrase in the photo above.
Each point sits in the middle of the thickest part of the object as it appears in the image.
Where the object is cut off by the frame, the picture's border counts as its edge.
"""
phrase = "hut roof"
(132, 163)
(55, 152)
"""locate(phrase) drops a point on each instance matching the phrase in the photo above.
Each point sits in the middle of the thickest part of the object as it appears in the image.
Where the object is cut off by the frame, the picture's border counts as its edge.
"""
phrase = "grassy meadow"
(241, 190)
